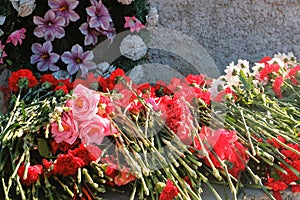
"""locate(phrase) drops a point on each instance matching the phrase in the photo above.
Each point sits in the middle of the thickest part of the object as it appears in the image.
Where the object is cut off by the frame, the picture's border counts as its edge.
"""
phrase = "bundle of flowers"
(164, 141)
(75, 129)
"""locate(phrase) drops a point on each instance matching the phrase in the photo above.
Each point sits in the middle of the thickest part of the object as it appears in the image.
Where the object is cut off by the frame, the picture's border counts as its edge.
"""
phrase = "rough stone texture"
(232, 29)
(151, 73)
(181, 52)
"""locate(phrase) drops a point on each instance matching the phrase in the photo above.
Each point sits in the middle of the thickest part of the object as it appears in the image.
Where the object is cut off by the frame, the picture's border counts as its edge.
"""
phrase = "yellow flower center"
(65, 126)
(78, 60)
(64, 8)
(79, 103)
(93, 131)
(45, 56)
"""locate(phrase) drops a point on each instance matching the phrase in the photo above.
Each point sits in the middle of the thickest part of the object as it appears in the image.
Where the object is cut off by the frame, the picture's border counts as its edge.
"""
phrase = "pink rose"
(84, 107)
(93, 131)
(70, 129)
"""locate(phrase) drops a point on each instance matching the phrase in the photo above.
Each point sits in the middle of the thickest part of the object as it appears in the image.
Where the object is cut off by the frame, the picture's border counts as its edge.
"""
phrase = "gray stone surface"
(179, 51)
(151, 73)
(224, 192)
(232, 29)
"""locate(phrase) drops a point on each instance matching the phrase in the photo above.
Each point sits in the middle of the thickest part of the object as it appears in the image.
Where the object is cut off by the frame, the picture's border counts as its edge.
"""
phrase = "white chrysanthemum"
(133, 47)
(288, 59)
(125, 2)
(217, 86)
(256, 68)
(232, 74)
(278, 61)
(290, 56)
(244, 66)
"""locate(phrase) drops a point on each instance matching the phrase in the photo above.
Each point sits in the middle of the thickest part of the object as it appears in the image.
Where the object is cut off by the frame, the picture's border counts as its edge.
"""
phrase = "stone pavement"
(250, 194)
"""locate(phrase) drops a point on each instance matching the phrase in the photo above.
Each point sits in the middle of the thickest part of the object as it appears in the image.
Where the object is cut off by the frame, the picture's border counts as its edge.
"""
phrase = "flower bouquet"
(75, 130)
(163, 140)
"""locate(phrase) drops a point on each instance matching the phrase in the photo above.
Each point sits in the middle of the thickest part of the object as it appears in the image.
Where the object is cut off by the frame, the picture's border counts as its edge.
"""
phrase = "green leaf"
(247, 82)
(9, 62)
(44, 148)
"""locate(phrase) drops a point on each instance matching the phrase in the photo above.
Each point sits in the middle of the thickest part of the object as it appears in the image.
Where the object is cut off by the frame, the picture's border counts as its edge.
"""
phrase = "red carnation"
(32, 175)
(105, 107)
(295, 188)
(84, 153)
(188, 180)
(277, 86)
(92, 81)
(111, 169)
(204, 95)
(290, 176)
(224, 93)
(67, 165)
(275, 143)
(67, 82)
(22, 78)
(268, 69)
(50, 79)
(225, 144)
(117, 73)
(124, 177)
(169, 192)
(47, 164)
(195, 80)
(62, 87)
(276, 185)
(293, 74)
(62, 146)
(161, 88)
(178, 119)
(265, 59)
(110, 82)
(289, 154)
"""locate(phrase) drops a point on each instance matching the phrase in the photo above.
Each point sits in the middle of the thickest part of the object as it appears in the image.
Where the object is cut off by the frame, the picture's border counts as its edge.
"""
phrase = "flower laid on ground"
(78, 59)
(93, 131)
(91, 34)
(169, 192)
(226, 145)
(49, 27)
(65, 130)
(44, 57)
(33, 173)
(16, 37)
(74, 139)
(133, 23)
(65, 9)
(99, 16)
(84, 106)
(111, 132)
(22, 79)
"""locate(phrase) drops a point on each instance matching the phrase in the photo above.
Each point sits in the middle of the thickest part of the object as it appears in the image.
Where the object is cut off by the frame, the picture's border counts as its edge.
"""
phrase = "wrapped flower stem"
(161, 160)
(22, 192)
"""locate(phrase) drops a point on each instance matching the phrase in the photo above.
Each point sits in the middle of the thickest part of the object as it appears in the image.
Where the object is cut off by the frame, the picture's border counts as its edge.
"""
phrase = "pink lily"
(133, 23)
(16, 37)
